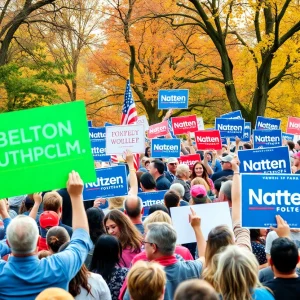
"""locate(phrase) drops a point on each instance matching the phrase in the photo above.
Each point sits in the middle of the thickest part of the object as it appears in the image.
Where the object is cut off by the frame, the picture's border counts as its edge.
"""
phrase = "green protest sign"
(40, 146)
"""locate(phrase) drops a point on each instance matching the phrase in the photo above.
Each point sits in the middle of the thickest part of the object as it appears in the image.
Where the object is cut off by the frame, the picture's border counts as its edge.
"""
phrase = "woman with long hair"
(200, 170)
(258, 246)
(106, 262)
(120, 226)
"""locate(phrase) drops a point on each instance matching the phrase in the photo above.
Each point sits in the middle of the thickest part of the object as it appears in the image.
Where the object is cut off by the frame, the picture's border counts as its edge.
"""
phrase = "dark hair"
(106, 256)
(56, 237)
(81, 278)
(291, 145)
(204, 174)
(171, 199)
(247, 146)
(298, 142)
(148, 181)
(219, 181)
(146, 151)
(159, 165)
(254, 235)
(156, 207)
(95, 218)
(284, 255)
(134, 212)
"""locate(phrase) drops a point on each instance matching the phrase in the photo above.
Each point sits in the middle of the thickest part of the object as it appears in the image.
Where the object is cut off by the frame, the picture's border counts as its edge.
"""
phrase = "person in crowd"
(225, 193)
(182, 177)
(87, 285)
(56, 237)
(145, 161)
(297, 145)
(177, 187)
(120, 226)
(213, 162)
(133, 208)
(26, 206)
(148, 152)
(199, 195)
(24, 276)
(201, 181)
(15, 202)
(4, 248)
(247, 146)
(43, 253)
(172, 164)
(226, 168)
(146, 280)
(156, 169)
(195, 289)
(200, 170)
(171, 199)
(147, 183)
(296, 164)
(258, 247)
(292, 149)
(106, 261)
(218, 183)
(157, 207)
(54, 294)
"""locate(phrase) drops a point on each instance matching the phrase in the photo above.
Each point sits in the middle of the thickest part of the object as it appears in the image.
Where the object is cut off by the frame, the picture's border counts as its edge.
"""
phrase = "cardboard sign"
(97, 133)
(287, 136)
(208, 140)
(161, 148)
(99, 151)
(156, 130)
(211, 215)
(247, 132)
(37, 153)
(265, 196)
(233, 115)
(110, 182)
(267, 138)
(182, 125)
(90, 123)
(200, 126)
(168, 99)
(189, 160)
(230, 127)
(142, 120)
(150, 198)
(121, 138)
(267, 160)
(293, 125)
(263, 123)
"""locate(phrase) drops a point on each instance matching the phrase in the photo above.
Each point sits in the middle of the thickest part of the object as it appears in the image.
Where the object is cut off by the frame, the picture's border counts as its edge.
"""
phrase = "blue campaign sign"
(233, 115)
(288, 136)
(111, 182)
(230, 127)
(173, 99)
(97, 133)
(265, 160)
(265, 196)
(165, 148)
(263, 123)
(90, 123)
(99, 150)
(108, 124)
(267, 138)
(247, 132)
(150, 198)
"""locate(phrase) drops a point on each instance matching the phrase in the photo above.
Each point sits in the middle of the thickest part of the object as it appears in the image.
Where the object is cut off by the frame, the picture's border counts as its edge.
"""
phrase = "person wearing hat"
(296, 166)
(199, 195)
(226, 168)
(172, 164)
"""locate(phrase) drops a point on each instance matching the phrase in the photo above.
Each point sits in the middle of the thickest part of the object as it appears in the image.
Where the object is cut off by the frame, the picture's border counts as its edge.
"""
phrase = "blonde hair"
(146, 280)
(52, 201)
(116, 202)
(200, 180)
(157, 216)
(54, 294)
(236, 274)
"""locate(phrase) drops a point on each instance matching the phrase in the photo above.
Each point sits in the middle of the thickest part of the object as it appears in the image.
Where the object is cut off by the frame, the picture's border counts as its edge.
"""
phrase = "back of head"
(182, 170)
(226, 189)
(56, 237)
(247, 146)
(148, 181)
(133, 206)
(95, 219)
(291, 144)
(155, 207)
(195, 289)
(22, 235)
(52, 201)
(284, 255)
(177, 187)
(157, 216)
(54, 294)
(171, 199)
(218, 183)
(146, 280)
(201, 181)
(116, 202)
(159, 165)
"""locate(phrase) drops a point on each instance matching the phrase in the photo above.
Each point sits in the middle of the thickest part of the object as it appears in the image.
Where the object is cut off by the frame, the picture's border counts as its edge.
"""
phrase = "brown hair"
(129, 235)
(52, 201)
(56, 237)
(204, 174)
(80, 281)
(146, 280)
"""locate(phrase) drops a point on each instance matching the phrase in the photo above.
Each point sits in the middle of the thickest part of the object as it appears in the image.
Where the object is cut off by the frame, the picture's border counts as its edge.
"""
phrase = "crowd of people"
(56, 246)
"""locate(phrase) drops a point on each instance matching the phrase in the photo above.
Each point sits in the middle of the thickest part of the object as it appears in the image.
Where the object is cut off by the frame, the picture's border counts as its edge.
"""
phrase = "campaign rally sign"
(247, 132)
(173, 99)
(108, 124)
(151, 198)
(98, 150)
(265, 196)
(171, 132)
(39, 152)
(97, 133)
(263, 123)
(293, 125)
(265, 160)
(189, 160)
(288, 136)
(90, 123)
(142, 120)
(110, 182)
(230, 127)
(208, 140)
(165, 148)
(267, 138)
(125, 137)
(159, 129)
(182, 125)
(233, 115)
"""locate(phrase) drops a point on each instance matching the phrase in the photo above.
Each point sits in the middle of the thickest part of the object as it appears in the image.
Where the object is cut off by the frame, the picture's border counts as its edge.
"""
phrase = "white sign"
(142, 120)
(200, 126)
(121, 138)
(212, 215)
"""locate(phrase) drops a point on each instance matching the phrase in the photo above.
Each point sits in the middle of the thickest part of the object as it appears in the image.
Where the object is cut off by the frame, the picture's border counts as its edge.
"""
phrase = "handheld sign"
(142, 120)
(263, 123)
(111, 182)
(233, 115)
(97, 133)
(90, 123)
(267, 138)
(39, 152)
(189, 160)
(165, 148)
(121, 138)
(287, 136)
(150, 198)
(247, 132)
(168, 99)
(156, 130)
(265, 196)
(230, 127)
(208, 140)
(182, 125)
(99, 151)
(293, 125)
(267, 160)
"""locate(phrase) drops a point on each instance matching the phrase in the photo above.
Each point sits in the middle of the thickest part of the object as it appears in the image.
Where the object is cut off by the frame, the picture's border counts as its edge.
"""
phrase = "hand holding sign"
(194, 220)
(37, 198)
(235, 165)
(74, 185)
(283, 229)
(129, 158)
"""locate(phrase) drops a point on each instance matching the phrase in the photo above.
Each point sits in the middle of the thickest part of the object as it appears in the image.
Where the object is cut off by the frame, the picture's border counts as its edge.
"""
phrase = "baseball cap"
(227, 158)
(199, 193)
(296, 155)
(172, 160)
(49, 219)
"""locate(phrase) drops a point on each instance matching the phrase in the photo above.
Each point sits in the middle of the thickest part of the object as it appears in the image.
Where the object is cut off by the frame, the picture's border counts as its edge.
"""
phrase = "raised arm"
(206, 164)
(132, 173)
(37, 198)
(189, 140)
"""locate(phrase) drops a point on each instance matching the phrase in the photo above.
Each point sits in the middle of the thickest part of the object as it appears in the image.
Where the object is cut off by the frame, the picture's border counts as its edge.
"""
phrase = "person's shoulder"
(97, 278)
(262, 294)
